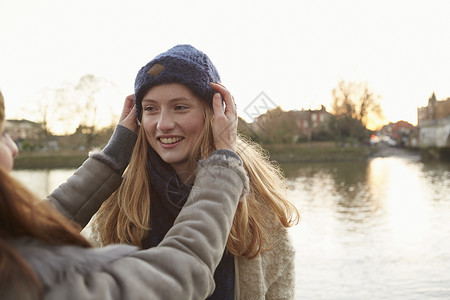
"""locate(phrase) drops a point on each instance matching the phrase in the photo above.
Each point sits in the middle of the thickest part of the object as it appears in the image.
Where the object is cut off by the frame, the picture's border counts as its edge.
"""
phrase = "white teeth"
(170, 140)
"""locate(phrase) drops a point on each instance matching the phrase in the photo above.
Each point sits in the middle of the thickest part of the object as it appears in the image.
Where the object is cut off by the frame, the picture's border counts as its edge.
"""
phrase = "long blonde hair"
(125, 216)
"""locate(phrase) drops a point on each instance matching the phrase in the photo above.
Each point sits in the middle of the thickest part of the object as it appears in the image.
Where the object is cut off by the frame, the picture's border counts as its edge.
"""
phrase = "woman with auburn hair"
(173, 95)
(43, 256)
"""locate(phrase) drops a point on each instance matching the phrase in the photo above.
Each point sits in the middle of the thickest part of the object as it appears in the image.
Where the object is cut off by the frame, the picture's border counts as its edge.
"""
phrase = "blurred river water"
(372, 230)
(378, 229)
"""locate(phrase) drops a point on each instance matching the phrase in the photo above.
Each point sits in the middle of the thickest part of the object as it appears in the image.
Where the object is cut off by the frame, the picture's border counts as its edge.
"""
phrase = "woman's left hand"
(225, 120)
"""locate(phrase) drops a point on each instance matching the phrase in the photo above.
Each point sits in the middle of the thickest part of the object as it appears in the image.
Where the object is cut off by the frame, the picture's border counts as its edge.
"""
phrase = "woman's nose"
(165, 122)
(12, 146)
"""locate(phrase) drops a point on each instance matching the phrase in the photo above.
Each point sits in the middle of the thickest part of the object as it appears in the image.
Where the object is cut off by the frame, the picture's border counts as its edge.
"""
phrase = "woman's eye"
(149, 108)
(180, 107)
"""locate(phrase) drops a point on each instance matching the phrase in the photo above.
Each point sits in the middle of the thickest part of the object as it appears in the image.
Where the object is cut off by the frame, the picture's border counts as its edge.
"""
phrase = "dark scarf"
(168, 196)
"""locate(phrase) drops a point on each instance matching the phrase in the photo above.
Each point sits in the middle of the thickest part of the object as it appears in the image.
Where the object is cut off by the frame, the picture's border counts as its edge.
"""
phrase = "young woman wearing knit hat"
(42, 256)
(175, 94)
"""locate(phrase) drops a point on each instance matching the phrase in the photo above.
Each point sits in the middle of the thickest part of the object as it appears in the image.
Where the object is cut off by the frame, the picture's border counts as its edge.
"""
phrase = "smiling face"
(173, 119)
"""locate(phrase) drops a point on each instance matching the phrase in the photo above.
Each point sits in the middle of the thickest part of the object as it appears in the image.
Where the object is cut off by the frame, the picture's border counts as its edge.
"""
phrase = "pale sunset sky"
(294, 51)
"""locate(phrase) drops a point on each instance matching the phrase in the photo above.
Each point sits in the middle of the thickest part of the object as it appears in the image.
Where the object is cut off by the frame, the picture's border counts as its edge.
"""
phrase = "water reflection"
(372, 230)
(42, 182)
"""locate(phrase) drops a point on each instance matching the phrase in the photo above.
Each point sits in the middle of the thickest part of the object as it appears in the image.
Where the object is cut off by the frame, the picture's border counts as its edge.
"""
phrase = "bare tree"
(88, 106)
(368, 105)
(354, 103)
(355, 100)
(343, 104)
(46, 109)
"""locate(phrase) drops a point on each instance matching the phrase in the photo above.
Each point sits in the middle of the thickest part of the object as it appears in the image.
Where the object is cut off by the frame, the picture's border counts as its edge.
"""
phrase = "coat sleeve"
(182, 266)
(80, 197)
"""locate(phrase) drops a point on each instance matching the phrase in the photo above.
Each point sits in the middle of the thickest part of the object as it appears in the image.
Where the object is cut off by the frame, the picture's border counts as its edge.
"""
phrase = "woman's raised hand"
(128, 117)
(225, 118)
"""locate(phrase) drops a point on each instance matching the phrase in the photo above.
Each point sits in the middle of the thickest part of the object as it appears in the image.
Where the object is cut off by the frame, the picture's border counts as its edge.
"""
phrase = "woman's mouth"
(170, 140)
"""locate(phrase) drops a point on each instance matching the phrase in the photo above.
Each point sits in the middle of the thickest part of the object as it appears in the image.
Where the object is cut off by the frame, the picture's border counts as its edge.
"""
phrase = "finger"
(130, 121)
(217, 104)
(220, 84)
(226, 95)
(128, 106)
(129, 100)
(230, 105)
(132, 112)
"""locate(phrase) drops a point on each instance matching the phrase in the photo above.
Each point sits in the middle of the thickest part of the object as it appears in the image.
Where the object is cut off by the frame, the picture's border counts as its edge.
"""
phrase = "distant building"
(301, 125)
(400, 132)
(23, 130)
(29, 135)
(434, 110)
(434, 123)
(311, 122)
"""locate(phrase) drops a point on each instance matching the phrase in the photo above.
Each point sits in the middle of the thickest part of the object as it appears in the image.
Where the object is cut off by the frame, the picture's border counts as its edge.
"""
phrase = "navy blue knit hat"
(181, 64)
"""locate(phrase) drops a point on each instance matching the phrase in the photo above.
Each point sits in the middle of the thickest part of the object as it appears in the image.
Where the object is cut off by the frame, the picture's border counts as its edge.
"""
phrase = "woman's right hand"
(128, 117)
(225, 120)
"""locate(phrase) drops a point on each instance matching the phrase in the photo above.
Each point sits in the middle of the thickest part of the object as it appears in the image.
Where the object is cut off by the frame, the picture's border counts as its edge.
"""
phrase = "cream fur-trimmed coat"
(271, 275)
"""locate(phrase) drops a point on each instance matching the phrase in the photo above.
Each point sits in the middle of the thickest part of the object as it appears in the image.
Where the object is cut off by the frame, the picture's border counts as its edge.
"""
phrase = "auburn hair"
(22, 214)
(2, 108)
(125, 216)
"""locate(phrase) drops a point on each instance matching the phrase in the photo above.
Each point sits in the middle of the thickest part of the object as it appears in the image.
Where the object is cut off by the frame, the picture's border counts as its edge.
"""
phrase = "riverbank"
(318, 152)
(305, 152)
(50, 160)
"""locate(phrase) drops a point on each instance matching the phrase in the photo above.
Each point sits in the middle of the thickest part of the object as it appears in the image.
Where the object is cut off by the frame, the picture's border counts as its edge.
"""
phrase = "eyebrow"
(171, 100)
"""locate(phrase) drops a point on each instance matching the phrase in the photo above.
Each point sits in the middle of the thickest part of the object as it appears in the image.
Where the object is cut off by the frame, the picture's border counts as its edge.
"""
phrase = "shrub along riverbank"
(306, 152)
